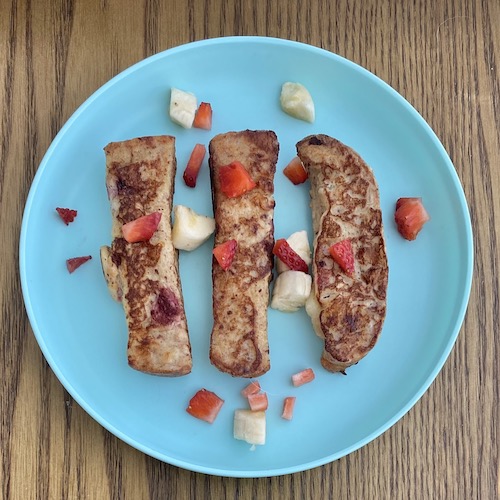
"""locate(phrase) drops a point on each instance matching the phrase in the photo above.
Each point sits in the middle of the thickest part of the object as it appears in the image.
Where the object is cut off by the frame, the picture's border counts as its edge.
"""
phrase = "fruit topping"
(343, 255)
(205, 405)
(224, 253)
(410, 217)
(141, 229)
(67, 214)
(194, 164)
(295, 171)
(235, 180)
(203, 117)
(303, 377)
(75, 262)
(289, 256)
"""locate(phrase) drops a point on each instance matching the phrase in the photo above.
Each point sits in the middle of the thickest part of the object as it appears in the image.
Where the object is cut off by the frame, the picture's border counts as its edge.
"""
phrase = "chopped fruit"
(343, 255)
(182, 107)
(141, 229)
(303, 377)
(258, 401)
(75, 262)
(166, 309)
(410, 217)
(205, 405)
(300, 243)
(224, 253)
(203, 117)
(288, 404)
(295, 171)
(235, 180)
(296, 100)
(67, 214)
(194, 165)
(252, 388)
(190, 230)
(289, 256)
(291, 290)
(250, 426)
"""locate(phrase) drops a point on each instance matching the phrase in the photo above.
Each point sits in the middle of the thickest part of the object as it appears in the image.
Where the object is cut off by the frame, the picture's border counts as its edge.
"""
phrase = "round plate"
(82, 332)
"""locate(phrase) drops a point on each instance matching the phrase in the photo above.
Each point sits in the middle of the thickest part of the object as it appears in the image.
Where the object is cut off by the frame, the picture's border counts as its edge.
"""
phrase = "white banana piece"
(183, 106)
(190, 229)
(291, 290)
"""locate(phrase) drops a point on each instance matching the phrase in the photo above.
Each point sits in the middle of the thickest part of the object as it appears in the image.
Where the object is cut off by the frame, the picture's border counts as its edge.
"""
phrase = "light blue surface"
(82, 332)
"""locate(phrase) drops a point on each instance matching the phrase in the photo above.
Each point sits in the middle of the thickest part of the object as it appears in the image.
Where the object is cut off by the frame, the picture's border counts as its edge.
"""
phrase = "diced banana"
(300, 243)
(183, 107)
(297, 101)
(250, 426)
(291, 290)
(190, 229)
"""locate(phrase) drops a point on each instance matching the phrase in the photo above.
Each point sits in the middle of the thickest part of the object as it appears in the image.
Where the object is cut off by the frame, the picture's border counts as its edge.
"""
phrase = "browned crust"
(239, 344)
(140, 176)
(345, 204)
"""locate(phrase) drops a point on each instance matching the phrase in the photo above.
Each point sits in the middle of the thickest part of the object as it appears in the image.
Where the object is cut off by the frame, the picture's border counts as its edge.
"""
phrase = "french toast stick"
(347, 311)
(144, 276)
(239, 342)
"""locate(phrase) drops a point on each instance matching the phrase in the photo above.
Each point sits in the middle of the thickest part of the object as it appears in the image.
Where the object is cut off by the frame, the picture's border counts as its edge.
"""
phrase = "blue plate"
(81, 330)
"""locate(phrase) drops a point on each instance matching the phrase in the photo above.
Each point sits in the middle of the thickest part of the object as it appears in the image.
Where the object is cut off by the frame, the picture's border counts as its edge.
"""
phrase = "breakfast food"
(141, 266)
(75, 262)
(242, 168)
(190, 230)
(183, 107)
(67, 215)
(296, 100)
(347, 308)
(250, 426)
(410, 217)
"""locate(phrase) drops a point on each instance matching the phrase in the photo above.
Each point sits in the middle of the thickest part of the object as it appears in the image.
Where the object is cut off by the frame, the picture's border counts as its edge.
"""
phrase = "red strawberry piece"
(252, 388)
(224, 253)
(205, 405)
(303, 377)
(235, 180)
(67, 214)
(343, 255)
(194, 164)
(288, 405)
(75, 262)
(289, 256)
(295, 171)
(141, 229)
(410, 217)
(258, 401)
(203, 116)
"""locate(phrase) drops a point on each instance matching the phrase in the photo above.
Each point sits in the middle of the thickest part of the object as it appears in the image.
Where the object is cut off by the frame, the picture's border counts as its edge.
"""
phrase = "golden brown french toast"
(348, 311)
(239, 342)
(144, 275)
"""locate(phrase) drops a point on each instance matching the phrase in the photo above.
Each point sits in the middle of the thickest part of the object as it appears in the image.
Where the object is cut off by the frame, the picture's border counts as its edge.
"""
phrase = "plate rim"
(457, 322)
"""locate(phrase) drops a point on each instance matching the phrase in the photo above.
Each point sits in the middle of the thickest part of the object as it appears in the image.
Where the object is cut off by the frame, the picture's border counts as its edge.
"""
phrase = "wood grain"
(442, 56)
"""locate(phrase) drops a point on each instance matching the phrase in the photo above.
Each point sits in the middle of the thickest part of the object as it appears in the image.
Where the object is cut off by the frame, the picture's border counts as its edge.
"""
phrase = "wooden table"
(442, 56)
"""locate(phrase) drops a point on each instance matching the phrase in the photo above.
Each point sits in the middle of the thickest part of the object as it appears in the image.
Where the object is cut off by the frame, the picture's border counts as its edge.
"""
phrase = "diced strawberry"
(252, 388)
(289, 256)
(194, 165)
(203, 116)
(258, 401)
(75, 262)
(235, 180)
(295, 171)
(303, 377)
(67, 214)
(288, 405)
(141, 229)
(205, 405)
(410, 217)
(343, 255)
(224, 253)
